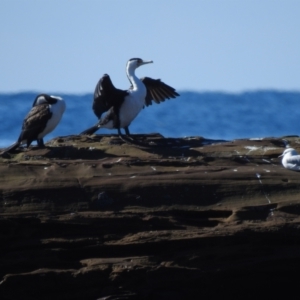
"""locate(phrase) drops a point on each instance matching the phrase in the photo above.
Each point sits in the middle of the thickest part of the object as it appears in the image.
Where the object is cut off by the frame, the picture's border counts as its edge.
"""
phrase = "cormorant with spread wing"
(122, 106)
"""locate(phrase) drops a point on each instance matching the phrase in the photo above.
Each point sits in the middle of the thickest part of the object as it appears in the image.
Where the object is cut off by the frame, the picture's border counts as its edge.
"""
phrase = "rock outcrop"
(150, 218)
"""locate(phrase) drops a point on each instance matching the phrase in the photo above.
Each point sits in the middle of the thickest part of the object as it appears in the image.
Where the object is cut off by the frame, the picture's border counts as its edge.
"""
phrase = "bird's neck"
(134, 80)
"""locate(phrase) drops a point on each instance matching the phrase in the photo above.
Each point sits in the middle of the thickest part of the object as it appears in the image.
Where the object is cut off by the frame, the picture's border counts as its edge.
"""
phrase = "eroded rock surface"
(151, 218)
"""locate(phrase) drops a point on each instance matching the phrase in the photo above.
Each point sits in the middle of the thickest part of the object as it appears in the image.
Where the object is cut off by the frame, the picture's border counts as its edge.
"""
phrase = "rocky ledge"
(149, 218)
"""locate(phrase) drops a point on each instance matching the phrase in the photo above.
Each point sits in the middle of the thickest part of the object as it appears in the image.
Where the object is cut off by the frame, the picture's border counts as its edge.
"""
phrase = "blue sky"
(210, 45)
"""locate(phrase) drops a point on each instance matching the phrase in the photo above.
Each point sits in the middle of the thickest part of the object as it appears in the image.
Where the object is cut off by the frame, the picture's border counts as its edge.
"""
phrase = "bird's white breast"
(57, 111)
(132, 105)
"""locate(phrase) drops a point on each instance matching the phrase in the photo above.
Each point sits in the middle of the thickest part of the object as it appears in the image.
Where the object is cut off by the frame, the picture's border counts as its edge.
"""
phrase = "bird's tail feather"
(90, 130)
(10, 148)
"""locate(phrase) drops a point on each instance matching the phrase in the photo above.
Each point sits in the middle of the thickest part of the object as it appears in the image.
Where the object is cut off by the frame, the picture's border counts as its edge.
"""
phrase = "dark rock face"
(151, 218)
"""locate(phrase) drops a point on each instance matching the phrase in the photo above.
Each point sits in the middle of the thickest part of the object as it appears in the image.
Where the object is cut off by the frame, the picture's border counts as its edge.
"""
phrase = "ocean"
(212, 115)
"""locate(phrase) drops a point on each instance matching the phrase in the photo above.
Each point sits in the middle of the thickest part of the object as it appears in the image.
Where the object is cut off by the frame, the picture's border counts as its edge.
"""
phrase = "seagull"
(122, 106)
(291, 159)
(44, 116)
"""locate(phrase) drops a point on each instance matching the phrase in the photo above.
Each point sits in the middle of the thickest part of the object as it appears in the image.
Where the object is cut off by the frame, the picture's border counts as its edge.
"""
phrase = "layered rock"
(149, 218)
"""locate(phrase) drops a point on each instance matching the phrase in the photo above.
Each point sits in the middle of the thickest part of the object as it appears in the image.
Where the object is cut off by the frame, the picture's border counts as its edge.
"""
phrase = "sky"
(199, 45)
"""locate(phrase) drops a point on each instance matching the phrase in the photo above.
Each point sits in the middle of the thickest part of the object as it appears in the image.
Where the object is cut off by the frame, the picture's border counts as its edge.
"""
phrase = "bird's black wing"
(101, 95)
(157, 91)
(35, 122)
(109, 99)
(107, 96)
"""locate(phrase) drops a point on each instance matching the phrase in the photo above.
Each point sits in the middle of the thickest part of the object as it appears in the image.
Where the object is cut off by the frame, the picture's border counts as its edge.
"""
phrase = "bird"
(44, 116)
(122, 106)
(291, 159)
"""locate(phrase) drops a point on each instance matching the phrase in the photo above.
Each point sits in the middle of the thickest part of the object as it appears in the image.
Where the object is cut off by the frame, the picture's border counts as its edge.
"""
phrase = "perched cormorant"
(45, 114)
(122, 106)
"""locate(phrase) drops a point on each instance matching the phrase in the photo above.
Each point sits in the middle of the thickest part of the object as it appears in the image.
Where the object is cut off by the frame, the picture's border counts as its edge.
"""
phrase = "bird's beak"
(280, 155)
(144, 62)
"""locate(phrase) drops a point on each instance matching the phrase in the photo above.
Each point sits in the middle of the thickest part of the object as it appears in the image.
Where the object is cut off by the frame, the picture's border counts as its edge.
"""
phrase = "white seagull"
(291, 159)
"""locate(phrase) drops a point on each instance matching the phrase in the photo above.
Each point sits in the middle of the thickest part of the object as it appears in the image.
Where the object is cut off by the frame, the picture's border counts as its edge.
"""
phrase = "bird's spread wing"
(35, 121)
(106, 96)
(157, 91)
(101, 95)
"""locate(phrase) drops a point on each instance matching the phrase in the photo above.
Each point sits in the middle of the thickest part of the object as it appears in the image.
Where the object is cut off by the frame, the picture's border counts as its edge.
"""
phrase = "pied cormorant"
(122, 106)
(45, 114)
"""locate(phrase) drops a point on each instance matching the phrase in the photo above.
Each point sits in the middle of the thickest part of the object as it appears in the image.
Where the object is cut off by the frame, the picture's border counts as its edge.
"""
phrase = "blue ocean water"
(213, 115)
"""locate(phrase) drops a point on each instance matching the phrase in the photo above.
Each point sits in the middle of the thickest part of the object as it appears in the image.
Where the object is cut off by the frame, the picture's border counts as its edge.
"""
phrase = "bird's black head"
(45, 98)
(136, 58)
(137, 62)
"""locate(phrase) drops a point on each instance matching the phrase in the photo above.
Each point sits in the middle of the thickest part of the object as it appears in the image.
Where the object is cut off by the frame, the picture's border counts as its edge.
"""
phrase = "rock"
(153, 218)
(102, 201)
